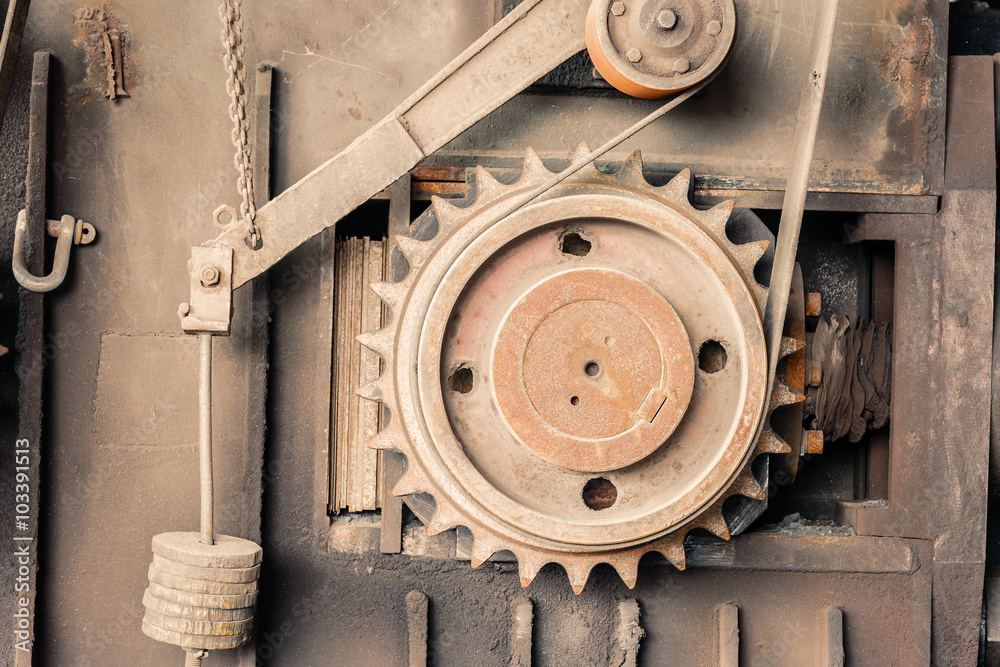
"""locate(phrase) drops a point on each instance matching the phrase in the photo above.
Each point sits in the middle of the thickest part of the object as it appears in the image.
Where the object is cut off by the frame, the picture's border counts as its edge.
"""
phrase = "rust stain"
(104, 38)
(905, 62)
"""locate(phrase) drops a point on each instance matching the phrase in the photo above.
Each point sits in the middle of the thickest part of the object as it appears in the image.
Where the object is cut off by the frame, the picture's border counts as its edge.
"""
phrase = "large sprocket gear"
(605, 336)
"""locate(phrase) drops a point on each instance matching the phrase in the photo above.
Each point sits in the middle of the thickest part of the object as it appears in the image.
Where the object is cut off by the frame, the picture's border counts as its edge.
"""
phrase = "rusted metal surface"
(359, 594)
(576, 361)
(104, 38)
(939, 488)
(787, 420)
(854, 394)
(479, 473)
(651, 48)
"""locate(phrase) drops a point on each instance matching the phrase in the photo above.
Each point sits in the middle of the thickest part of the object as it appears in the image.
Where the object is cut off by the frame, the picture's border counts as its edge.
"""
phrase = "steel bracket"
(211, 307)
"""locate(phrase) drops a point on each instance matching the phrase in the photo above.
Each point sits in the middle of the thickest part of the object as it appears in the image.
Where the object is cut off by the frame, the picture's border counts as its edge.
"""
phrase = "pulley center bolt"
(209, 276)
(666, 19)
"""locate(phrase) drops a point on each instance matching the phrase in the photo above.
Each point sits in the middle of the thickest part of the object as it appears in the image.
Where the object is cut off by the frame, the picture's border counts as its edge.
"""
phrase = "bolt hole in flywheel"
(582, 380)
(652, 48)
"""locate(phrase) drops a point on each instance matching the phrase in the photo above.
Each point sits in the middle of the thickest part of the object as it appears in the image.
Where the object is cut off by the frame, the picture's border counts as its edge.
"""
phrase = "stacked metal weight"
(201, 596)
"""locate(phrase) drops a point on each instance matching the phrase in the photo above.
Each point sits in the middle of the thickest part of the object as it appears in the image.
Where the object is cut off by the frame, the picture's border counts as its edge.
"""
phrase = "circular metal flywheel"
(581, 380)
(652, 48)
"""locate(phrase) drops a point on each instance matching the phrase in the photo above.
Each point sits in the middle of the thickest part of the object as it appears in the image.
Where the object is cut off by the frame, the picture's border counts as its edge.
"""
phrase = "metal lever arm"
(527, 43)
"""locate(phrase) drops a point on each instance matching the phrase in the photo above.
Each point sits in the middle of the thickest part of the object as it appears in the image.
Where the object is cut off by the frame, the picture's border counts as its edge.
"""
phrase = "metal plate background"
(881, 131)
(148, 171)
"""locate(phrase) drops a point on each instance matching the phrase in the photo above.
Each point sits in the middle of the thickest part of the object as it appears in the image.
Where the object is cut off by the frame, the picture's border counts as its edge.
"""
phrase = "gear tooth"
(578, 572)
(759, 295)
(411, 482)
(448, 215)
(379, 341)
(715, 218)
(482, 551)
(748, 254)
(714, 522)
(445, 518)
(771, 443)
(790, 346)
(582, 152)
(371, 391)
(415, 251)
(679, 187)
(528, 565)
(671, 547)
(628, 569)
(392, 294)
(533, 166)
(488, 187)
(782, 395)
(631, 169)
(746, 485)
(385, 439)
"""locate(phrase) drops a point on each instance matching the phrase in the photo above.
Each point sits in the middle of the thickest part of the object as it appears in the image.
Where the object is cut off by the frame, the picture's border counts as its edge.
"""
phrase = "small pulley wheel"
(653, 48)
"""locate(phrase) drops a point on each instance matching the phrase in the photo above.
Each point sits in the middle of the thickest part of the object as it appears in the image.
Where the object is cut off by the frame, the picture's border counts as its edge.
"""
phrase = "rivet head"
(666, 19)
(617, 8)
(681, 65)
(713, 28)
(634, 55)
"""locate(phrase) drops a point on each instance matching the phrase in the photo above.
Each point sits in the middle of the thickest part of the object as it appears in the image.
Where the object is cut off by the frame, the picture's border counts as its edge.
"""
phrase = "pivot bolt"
(713, 28)
(209, 276)
(666, 19)
(681, 65)
(634, 55)
(617, 8)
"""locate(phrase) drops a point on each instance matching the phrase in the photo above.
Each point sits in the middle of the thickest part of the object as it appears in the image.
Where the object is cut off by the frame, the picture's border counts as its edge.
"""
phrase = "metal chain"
(232, 40)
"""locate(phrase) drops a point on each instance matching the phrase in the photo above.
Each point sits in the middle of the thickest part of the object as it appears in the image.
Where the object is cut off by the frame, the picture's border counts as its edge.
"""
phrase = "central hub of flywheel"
(592, 370)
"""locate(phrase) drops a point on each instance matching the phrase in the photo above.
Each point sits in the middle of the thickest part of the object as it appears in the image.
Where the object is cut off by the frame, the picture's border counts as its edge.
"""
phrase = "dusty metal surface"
(881, 132)
(15, 15)
(538, 35)
(570, 250)
(947, 440)
(121, 377)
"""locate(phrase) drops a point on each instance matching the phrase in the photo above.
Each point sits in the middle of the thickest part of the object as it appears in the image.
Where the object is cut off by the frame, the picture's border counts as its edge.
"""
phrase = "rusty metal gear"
(581, 380)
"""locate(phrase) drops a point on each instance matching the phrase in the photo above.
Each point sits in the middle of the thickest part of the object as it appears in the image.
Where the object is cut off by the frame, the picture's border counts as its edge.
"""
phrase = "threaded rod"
(193, 658)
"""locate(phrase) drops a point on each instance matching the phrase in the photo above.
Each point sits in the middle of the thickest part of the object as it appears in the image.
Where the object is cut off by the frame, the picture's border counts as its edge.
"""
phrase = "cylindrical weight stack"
(201, 596)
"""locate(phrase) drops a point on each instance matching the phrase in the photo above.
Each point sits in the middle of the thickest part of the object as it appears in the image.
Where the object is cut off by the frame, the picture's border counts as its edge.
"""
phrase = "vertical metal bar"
(794, 202)
(30, 344)
(833, 638)
(416, 625)
(522, 613)
(729, 635)
(205, 439)
(259, 304)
